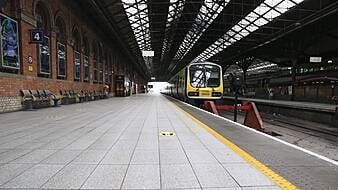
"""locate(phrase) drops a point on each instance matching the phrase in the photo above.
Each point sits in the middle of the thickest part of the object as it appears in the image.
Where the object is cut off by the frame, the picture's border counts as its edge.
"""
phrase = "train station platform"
(312, 106)
(311, 111)
(148, 142)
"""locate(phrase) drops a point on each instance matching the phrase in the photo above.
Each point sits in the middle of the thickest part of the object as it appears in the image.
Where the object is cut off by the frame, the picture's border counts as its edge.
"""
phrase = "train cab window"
(197, 79)
(212, 74)
(202, 76)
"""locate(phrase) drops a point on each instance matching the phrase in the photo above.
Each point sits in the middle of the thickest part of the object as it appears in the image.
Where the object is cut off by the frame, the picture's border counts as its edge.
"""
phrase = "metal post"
(236, 101)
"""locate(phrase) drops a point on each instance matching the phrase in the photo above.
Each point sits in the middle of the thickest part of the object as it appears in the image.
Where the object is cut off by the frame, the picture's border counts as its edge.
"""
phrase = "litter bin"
(28, 104)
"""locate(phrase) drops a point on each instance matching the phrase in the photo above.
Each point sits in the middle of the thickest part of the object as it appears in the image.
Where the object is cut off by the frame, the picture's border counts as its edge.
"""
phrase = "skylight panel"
(271, 15)
(252, 17)
(174, 13)
(272, 3)
(260, 22)
(262, 9)
(284, 6)
(261, 15)
(207, 14)
(252, 28)
(137, 13)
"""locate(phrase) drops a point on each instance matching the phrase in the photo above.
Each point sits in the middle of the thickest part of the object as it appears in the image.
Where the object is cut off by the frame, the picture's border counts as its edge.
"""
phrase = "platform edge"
(274, 177)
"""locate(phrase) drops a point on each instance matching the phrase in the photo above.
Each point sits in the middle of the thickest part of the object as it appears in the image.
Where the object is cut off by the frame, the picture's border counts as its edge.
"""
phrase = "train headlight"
(216, 94)
(193, 94)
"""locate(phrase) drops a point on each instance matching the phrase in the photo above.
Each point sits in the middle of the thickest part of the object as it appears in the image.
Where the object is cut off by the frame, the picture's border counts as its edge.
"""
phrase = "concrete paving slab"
(13, 154)
(142, 177)
(106, 177)
(213, 175)
(251, 177)
(178, 176)
(9, 171)
(34, 177)
(61, 157)
(145, 157)
(89, 157)
(173, 157)
(35, 156)
(70, 177)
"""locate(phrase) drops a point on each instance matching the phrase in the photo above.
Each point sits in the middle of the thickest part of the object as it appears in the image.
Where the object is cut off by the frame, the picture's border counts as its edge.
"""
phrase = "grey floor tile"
(34, 177)
(145, 157)
(12, 154)
(106, 177)
(61, 157)
(117, 156)
(169, 143)
(70, 177)
(35, 156)
(101, 145)
(9, 171)
(90, 157)
(200, 156)
(227, 156)
(213, 175)
(142, 177)
(126, 144)
(247, 175)
(178, 176)
(173, 157)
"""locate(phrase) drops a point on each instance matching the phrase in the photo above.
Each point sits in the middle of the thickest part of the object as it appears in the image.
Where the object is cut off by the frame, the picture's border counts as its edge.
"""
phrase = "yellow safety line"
(274, 177)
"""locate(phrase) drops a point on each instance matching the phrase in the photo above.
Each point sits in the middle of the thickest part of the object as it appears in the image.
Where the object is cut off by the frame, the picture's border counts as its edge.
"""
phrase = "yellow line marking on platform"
(274, 177)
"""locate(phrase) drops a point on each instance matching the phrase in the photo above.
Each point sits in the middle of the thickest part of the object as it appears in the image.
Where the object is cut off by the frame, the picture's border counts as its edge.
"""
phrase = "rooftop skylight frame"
(264, 13)
(207, 14)
(137, 13)
(174, 13)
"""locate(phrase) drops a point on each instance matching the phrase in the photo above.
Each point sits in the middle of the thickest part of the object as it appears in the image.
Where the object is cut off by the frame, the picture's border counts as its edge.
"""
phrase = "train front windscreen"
(204, 76)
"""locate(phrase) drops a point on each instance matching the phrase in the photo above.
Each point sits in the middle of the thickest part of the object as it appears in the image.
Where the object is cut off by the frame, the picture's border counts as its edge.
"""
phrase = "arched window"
(61, 38)
(77, 55)
(95, 61)
(85, 60)
(43, 22)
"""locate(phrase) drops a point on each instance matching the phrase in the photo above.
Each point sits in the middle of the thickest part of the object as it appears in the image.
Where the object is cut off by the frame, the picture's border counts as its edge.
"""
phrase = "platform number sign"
(36, 36)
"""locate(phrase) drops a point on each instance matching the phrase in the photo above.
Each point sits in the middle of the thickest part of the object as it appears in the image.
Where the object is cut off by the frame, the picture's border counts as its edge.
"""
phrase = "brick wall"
(10, 103)
(23, 13)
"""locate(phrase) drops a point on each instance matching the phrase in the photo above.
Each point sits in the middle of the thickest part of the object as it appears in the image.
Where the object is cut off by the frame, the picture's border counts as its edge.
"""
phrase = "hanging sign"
(315, 59)
(36, 36)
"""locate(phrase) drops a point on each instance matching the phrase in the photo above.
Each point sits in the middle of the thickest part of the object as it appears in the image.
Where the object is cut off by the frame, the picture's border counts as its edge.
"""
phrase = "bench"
(26, 99)
(68, 97)
(53, 97)
(96, 95)
(40, 101)
(81, 96)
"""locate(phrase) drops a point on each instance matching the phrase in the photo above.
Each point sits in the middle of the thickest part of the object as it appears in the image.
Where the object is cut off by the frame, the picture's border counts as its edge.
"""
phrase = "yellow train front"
(197, 82)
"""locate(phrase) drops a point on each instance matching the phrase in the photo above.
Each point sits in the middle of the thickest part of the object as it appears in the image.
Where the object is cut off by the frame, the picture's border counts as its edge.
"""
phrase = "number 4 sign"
(36, 36)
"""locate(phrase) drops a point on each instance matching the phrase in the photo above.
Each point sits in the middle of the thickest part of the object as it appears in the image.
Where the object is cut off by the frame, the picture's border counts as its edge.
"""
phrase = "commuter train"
(197, 82)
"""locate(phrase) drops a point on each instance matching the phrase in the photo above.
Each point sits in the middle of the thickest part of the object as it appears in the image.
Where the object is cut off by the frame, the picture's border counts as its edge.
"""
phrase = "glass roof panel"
(209, 11)
(260, 22)
(271, 15)
(262, 9)
(137, 13)
(261, 15)
(272, 3)
(174, 13)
